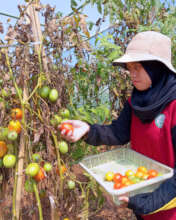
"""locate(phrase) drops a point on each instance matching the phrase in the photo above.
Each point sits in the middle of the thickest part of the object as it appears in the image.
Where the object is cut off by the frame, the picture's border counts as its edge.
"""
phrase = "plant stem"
(59, 166)
(38, 200)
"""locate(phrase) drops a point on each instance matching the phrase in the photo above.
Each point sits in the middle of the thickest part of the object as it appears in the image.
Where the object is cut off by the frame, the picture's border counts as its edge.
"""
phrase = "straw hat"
(145, 46)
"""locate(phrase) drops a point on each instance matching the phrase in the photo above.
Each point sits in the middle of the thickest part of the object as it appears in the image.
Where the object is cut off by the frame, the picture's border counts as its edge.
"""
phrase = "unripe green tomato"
(4, 93)
(44, 92)
(65, 113)
(29, 186)
(71, 184)
(9, 160)
(53, 95)
(63, 147)
(32, 169)
(47, 167)
(12, 135)
(36, 157)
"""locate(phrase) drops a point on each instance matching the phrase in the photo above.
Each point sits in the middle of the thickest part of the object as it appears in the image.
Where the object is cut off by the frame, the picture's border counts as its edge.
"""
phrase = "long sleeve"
(117, 133)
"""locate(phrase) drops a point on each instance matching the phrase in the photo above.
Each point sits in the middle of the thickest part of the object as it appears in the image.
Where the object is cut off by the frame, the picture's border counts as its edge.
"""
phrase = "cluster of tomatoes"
(7, 135)
(46, 92)
(130, 177)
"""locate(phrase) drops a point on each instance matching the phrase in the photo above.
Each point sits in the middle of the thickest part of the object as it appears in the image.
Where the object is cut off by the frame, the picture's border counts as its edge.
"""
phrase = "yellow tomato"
(109, 176)
(139, 174)
(15, 126)
(142, 169)
(129, 173)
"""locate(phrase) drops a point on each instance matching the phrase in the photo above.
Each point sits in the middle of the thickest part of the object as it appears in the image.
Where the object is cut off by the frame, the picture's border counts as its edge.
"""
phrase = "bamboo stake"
(36, 29)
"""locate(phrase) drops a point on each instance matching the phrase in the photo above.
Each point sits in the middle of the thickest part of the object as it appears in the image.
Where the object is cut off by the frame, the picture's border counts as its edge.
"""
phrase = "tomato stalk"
(38, 200)
(59, 165)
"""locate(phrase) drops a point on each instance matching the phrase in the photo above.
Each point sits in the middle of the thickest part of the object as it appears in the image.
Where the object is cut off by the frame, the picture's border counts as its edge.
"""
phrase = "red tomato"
(3, 148)
(152, 173)
(16, 113)
(67, 127)
(40, 175)
(117, 185)
(142, 169)
(117, 177)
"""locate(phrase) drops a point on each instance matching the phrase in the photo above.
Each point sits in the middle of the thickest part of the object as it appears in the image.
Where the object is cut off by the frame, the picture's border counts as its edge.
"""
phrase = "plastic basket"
(120, 160)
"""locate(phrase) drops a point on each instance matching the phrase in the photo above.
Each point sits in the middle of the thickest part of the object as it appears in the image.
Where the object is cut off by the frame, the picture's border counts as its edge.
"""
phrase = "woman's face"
(140, 78)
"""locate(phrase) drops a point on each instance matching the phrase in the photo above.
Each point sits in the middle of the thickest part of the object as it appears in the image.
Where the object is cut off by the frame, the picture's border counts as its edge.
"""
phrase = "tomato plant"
(53, 95)
(29, 185)
(15, 126)
(16, 114)
(63, 170)
(3, 148)
(32, 169)
(40, 175)
(9, 160)
(63, 147)
(3, 133)
(67, 127)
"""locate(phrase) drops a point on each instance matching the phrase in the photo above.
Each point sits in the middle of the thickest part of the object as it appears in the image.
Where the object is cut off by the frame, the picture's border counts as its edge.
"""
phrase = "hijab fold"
(151, 102)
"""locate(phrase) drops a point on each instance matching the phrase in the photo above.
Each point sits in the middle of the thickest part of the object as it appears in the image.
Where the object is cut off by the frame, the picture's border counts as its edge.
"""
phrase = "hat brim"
(133, 57)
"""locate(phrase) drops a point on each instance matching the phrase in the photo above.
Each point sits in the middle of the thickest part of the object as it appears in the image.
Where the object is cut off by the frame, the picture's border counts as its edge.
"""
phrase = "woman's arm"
(117, 133)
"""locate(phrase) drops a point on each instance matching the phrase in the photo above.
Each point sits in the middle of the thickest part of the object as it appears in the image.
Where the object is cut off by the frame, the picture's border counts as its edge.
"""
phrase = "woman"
(148, 119)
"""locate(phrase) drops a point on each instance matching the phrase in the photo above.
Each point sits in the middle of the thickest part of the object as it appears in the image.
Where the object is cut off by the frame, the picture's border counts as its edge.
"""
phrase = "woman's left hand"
(124, 198)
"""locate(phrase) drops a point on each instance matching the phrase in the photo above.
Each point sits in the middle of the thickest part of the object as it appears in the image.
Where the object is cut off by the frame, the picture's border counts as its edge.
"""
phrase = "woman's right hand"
(80, 128)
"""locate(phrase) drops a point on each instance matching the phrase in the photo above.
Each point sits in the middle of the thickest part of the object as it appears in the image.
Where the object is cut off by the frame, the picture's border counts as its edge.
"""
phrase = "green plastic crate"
(120, 160)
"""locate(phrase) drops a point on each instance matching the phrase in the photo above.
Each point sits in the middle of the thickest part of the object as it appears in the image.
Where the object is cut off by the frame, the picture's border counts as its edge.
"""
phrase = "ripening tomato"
(32, 169)
(127, 183)
(40, 175)
(16, 113)
(142, 169)
(139, 174)
(63, 170)
(65, 113)
(15, 126)
(118, 185)
(67, 127)
(117, 177)
(3, 148)
(9, 160)
(152, 173)
(124, 179)
(47, 167)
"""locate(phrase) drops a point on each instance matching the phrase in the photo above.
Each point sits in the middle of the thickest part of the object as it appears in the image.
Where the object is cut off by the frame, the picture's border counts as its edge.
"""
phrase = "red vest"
(155, 141)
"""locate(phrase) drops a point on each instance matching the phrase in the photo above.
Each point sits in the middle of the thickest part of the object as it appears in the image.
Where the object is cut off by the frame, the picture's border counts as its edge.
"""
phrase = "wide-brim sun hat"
(148, 46)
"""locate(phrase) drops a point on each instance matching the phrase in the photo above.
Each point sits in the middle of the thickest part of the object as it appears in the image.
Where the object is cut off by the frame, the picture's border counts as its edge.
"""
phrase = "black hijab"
(151, 102)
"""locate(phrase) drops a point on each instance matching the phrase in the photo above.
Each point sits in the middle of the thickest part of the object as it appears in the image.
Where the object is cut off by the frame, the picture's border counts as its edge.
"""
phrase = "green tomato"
(44, 92)
(53, 95)
(47, 167)
(32, 169)
(71, 184)
(1, 163)
(65, 113)
(1, 82)
(136, 180)
(36, 157)
(63, 147)
(4, 93)
(9, 160)
(12, 135)
(28, 186)
(56, 120)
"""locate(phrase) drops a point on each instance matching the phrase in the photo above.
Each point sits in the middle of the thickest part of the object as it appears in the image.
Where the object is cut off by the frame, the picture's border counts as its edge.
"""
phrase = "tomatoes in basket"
(118, 185)
(109, 176)
(152, 173)
(142, 169)
(15, 126)
(67, 127)
(16, 113)
(117, 177)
